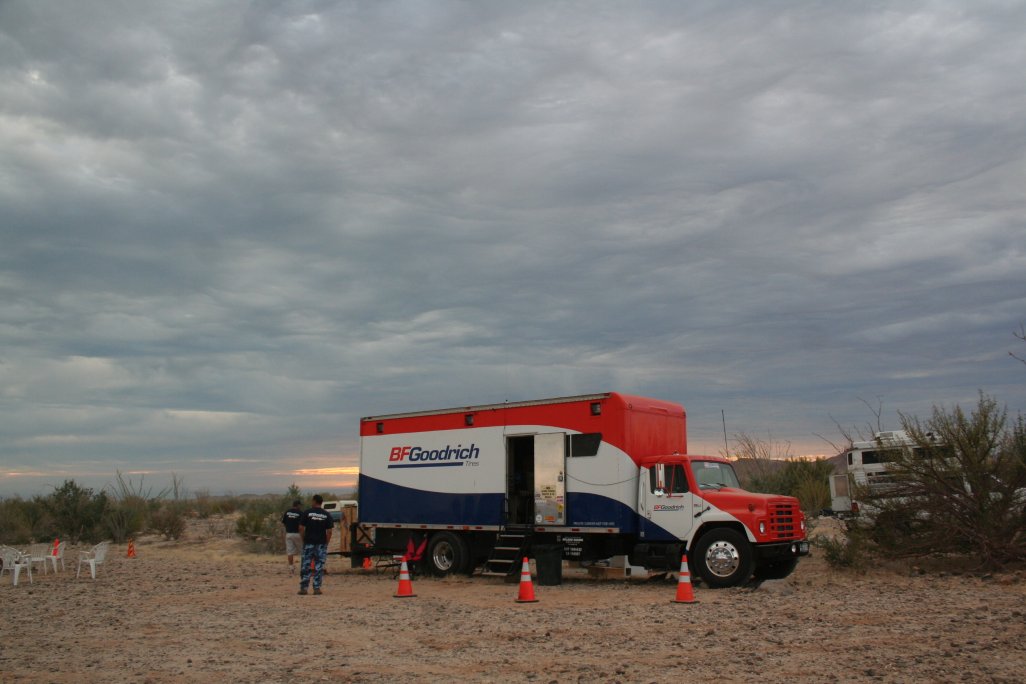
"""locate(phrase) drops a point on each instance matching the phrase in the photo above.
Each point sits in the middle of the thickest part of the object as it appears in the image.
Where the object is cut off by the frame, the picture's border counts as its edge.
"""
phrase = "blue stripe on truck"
(385, 503)
(382, 502)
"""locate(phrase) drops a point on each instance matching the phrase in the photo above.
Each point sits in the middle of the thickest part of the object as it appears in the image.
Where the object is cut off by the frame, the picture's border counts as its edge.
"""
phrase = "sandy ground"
(202, 610)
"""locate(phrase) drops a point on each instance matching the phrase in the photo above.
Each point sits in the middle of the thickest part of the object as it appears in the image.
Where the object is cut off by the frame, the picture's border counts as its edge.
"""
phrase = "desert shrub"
(260, 522)
(261, 530)
(77, 512)
(259, 518)
(768, 467)
(36, 514)
(813, 492)
(252, 522)
(130, 506)
(203, 505)
(225, 505)
(126, 517)
(808, 480)
(962, 491)
(15, 525)
(206, 505)
(850, 551)
(169, 520)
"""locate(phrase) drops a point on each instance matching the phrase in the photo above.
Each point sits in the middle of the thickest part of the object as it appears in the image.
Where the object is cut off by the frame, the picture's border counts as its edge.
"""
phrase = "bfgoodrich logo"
(418, 457)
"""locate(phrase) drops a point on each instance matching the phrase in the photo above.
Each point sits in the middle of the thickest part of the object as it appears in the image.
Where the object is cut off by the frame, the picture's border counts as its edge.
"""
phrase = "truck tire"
(447, 554)
(722, 558)
(776, 570)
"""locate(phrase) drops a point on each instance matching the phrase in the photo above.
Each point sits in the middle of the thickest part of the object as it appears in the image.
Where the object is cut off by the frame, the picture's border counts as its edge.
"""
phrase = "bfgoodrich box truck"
(581, 478)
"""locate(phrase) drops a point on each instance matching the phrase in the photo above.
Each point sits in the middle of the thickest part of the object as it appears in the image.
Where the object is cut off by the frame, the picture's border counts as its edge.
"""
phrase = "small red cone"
(685, 594)
(131, 549)
(526, 594)
(366, 563)
(56, 546)
(405, 585)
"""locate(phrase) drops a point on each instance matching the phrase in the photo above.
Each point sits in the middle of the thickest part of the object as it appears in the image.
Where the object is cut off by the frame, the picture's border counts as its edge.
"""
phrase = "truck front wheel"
(446, 554)
(722, 558)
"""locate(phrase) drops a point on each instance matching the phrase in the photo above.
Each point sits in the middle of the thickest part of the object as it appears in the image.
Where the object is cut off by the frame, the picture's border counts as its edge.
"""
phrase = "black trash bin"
(548, 559)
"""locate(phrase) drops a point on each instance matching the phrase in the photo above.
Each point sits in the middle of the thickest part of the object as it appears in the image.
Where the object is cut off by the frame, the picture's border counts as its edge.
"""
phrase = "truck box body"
(432, 468)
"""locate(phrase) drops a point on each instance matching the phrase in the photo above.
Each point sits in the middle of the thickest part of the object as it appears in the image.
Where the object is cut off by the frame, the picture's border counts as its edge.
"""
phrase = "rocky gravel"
(203, 610)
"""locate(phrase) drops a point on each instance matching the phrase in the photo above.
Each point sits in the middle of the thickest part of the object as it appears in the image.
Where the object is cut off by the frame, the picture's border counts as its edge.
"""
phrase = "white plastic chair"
(58, 557)
(39, 553)
(14, 562)
(7, 558)
(92, 557)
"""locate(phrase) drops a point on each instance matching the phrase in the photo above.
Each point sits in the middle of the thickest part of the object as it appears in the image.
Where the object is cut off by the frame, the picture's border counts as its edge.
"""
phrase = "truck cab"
(733, 533)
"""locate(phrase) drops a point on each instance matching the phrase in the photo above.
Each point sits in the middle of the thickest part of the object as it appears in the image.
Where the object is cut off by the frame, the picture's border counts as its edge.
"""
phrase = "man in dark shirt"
(316, 526)
(293, 540)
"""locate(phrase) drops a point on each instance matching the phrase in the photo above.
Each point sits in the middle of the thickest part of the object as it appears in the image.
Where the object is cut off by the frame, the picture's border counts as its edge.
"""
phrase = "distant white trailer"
(866, 467)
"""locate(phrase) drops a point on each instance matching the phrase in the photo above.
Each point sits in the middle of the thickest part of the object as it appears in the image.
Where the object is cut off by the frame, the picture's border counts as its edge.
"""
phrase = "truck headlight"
(762, 527)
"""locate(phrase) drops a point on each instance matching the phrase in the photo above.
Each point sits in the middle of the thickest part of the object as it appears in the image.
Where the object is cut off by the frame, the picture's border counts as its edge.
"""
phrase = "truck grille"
(784, 517)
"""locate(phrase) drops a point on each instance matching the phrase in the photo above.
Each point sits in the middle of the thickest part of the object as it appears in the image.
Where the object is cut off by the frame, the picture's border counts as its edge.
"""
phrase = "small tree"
(963, 490)
(14, 529)
(1022, 336)
(77, 512)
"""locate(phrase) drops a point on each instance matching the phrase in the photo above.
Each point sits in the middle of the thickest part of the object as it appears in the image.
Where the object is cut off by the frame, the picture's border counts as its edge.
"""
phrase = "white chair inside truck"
(92, 558)
(14, 561)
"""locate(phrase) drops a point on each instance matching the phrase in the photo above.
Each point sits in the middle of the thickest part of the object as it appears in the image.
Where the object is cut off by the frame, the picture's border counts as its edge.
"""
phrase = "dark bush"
(963, 491)
(169, 520)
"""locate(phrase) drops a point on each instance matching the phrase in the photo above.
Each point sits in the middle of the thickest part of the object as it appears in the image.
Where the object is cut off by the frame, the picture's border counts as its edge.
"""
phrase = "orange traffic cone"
(405, 585)
(366, 563)
(685, 594)
(526, 594)
(131, 549)
(56, 546)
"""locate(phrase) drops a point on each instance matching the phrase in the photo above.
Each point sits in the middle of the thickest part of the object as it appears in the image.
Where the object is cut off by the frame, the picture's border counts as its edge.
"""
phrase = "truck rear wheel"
(446, 554)
(722, 558)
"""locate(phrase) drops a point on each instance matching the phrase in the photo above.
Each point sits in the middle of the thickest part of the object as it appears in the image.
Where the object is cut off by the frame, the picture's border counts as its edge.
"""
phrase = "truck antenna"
(726, 449)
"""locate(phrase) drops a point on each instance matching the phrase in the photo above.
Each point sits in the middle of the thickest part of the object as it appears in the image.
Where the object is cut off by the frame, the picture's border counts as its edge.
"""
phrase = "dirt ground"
(201, 610)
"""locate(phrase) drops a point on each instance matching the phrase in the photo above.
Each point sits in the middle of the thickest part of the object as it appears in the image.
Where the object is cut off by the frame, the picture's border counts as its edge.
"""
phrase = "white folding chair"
(14, 562)
(92, 558)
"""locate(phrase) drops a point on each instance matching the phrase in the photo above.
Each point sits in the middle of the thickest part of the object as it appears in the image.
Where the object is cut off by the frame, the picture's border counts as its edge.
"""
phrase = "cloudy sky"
(228, 230)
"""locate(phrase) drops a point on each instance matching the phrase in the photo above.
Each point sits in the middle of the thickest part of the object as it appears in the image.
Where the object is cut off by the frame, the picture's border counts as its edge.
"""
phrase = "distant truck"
(581, 478)
(338, 509)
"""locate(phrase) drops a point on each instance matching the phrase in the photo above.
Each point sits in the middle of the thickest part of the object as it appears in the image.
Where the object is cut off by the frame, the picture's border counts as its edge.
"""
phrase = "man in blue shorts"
(315, 526)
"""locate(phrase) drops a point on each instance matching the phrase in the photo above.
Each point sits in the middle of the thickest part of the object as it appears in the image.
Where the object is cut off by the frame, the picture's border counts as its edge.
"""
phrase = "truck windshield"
(714, 475)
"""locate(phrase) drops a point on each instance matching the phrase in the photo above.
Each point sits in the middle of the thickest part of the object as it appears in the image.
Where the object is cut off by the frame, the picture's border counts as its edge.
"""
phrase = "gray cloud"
(231, 229)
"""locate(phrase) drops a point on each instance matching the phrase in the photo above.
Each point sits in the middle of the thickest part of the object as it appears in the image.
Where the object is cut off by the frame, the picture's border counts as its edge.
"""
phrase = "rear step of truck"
(511, 546)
